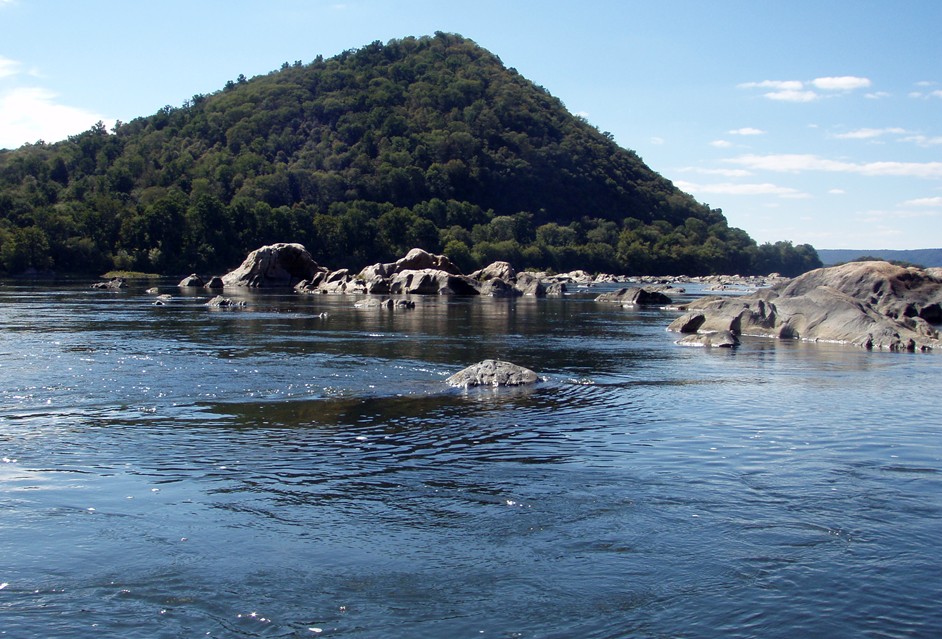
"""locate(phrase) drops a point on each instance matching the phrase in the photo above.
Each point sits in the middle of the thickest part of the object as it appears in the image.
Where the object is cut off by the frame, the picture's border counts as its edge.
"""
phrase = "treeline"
(421, 142)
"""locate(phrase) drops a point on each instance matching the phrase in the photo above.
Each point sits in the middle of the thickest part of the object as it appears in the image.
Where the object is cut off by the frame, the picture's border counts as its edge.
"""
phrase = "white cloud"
(797, 163)
(837, 192)
(936, 94)
(8, 67)
(731, 188)
(724, 172)
(841, 83)
(657, 140)
(801, 91)
(790, 95)
(746, 130)
(721, 144)
(869, 134)
(31, 114)
(924, 201)
(877, 95)
(779, 85)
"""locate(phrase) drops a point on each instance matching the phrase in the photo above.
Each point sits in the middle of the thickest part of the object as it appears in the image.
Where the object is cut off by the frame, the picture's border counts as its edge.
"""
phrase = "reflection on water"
(178, 471)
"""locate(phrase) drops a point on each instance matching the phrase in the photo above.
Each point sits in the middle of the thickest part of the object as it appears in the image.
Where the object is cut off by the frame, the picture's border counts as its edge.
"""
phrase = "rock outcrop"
(874, 305)
(491, 372)
(275, 265)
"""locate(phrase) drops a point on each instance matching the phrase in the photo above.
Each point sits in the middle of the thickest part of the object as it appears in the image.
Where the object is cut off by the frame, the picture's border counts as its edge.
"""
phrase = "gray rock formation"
(492, 372)
(191, 281)
(224, 302)
(386, 303)
(634, 296)
(273, 266)
(874, 305)
(720, 339)
(431, 282)
(114, 284)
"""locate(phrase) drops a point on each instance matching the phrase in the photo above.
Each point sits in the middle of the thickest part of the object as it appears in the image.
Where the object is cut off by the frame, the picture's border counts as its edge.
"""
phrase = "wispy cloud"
(747, 130)
(924, 140)
(31, 114)
(799, 163)
(734, 188)
(732, 173)
(869, 134)
(721, 144)
(924, 201)
(8, 67)
(807, 91)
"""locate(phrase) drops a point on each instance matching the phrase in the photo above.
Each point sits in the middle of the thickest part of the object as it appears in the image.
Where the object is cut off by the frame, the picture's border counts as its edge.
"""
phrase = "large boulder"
(496, 270)
(273, 266)
(530, 285)
(192, 281)
(875, 305)
(491, 372)
(415, 260)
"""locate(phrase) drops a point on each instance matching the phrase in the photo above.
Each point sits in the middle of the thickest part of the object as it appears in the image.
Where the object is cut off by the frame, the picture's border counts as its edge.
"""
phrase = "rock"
(114, 284)
(496, 287)
(874, 305)
(530, 285)
(496, 270)
(689, 323)
(431, 282)
(224, 302)
(492, 372)
(387, 303)
(415, 260)
(556, 289)
(720, 339)
(634, 296)
(191, 281)
(274, 265)
(214, 283)
(152, 291)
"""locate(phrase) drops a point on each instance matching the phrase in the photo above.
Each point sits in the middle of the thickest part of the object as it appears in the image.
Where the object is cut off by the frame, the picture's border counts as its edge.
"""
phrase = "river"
(298, 468)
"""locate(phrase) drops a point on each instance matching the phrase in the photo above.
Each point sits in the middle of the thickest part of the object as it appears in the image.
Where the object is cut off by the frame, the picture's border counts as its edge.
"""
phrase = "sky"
(814, 122)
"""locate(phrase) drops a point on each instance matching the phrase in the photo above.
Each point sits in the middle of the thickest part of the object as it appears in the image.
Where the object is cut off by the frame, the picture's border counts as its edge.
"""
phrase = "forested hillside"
(422, 142)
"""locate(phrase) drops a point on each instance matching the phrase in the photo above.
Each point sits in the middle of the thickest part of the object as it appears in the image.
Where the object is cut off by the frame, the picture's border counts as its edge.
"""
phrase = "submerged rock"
(114, 284)
(491, 372)
(224, 302)
(720, 339)
(634, 296)
(867, 304)
(387, 303)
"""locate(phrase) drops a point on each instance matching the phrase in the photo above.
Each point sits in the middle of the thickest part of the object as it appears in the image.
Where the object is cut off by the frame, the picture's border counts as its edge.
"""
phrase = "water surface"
(298, 468)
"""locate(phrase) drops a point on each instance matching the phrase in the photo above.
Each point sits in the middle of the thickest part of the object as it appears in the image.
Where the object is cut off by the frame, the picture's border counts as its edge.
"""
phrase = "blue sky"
(817, 122)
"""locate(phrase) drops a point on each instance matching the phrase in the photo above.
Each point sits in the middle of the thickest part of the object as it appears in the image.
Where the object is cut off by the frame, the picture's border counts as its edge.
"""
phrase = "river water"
(298, 468)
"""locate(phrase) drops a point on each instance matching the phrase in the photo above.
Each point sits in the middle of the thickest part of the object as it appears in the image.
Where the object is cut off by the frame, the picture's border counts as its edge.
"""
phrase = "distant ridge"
(923, 257)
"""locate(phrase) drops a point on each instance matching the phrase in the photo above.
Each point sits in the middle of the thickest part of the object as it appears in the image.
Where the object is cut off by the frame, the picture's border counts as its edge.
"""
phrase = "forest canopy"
(424, 142)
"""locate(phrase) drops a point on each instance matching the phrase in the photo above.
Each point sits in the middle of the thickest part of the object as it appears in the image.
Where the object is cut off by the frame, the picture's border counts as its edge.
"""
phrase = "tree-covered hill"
(422, 142)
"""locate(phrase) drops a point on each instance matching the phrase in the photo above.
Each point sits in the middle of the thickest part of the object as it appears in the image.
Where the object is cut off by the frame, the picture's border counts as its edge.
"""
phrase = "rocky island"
(874, 305)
